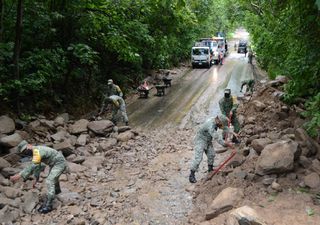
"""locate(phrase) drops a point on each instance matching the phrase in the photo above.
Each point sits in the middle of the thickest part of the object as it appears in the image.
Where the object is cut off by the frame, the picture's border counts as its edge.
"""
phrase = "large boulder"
(7, 125)
(79, 126)
(259, 144)
(11, 140)
(225, 201)
(277, 158)
(101, 127)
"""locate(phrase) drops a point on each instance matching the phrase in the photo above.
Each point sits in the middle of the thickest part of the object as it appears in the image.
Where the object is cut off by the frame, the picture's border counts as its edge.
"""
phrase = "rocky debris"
(65, 147)
(82, 140)
(244, 215)
(288, 158)
(7, 125)
(8, 215)
(10, 192)
(30, 200)
(226, 200)
(312, 180)
(9, 171)
(4, 163)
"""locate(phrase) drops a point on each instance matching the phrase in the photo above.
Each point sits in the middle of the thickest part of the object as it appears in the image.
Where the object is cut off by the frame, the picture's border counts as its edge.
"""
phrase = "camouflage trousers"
(235, 123)
(52, 180)
(123, 113)
(202, 146)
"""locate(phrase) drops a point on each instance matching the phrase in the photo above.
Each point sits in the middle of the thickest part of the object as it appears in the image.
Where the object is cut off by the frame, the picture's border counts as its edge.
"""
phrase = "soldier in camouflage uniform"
(112, 89)
(228, 106)
(51, 157)
(118, 104)
(203, 143)
(249, 85)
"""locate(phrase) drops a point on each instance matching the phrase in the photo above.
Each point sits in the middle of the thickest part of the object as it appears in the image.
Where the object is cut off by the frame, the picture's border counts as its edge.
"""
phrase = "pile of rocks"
(276, 154)
(87, 146)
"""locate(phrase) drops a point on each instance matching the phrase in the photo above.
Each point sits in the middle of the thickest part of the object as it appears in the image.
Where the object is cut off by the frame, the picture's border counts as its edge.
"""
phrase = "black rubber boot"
(210, 168)
(192, 177)
(57, 188)
(235, 140)
(47, 207)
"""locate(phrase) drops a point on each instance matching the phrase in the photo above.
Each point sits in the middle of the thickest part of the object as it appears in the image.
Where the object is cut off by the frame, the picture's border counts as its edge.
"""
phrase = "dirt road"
(169, 122)
(192, 97)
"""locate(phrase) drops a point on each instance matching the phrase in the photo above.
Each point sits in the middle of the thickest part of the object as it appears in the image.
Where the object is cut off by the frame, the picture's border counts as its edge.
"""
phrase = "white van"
(201, 56)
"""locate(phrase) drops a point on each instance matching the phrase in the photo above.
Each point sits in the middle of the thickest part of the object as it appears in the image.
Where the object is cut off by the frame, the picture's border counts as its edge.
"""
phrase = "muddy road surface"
(194, 95)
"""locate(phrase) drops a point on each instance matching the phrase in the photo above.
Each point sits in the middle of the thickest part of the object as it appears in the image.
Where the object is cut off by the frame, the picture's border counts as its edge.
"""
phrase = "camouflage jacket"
(42, 154)
(228, 104)
(113, 90)
(117, 101)
(208, 132)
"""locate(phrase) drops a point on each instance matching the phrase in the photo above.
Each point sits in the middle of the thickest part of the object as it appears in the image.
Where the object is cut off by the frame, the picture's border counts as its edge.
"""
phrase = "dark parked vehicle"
(242, 47)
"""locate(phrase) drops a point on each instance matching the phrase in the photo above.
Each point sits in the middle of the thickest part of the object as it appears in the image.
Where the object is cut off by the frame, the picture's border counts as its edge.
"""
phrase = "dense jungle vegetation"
(57, 54)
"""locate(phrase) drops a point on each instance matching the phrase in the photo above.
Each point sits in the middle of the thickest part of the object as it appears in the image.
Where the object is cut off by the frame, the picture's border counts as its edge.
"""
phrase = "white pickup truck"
(201, 56)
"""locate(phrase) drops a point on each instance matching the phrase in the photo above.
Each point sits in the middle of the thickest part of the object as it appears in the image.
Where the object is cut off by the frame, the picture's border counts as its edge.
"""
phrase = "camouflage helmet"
(22, 146)
(227, 93)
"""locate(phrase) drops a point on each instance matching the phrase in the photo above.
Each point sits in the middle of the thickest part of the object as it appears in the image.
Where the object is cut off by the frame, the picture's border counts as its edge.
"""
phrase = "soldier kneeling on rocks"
(49, 156)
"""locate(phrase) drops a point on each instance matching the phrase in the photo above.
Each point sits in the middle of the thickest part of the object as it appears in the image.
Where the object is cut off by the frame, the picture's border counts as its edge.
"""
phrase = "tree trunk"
(17, 45)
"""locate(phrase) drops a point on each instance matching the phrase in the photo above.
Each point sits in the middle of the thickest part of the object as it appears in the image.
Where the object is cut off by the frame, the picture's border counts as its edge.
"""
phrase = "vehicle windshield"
(200, 51)
(242, 44)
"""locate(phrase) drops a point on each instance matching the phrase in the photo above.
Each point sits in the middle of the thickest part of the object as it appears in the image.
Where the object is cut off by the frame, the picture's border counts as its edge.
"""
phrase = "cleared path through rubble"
(169, 122)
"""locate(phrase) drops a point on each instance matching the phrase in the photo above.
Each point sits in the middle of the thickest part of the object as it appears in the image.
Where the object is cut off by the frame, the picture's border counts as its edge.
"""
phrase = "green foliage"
(313, 113)
(286, 38)
(71, 48)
